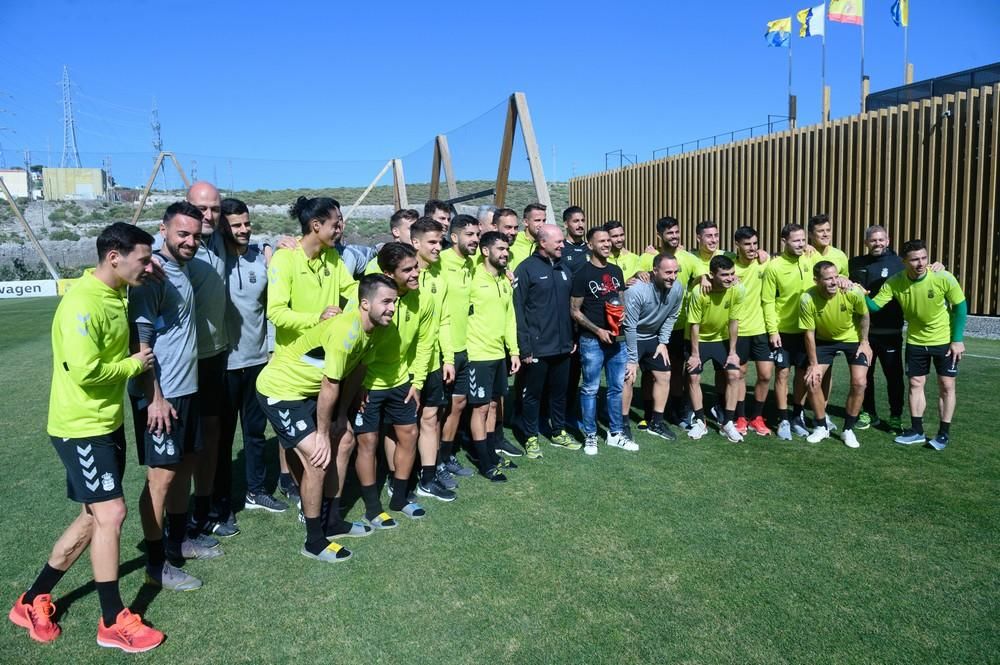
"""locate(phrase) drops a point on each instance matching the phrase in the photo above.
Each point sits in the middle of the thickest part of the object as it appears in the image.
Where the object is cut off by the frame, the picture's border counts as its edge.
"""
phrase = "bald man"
(208, 278)
(545, 337)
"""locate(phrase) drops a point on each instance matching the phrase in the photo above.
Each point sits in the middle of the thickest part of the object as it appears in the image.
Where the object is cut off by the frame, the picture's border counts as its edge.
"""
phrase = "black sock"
(446, 450)
(315, 537)
(111, 601)
(917, 423)
(782, 414)
(483, 452)
(399, 487)
(202, 504)
(797, 410)
(44, 583)
(699, 414)
(427, 474)
(728, 415)
(332, 517)
(849, 422)
(285, 480)
(756, 408)
(647, 410)
(373, 506)
(155, 554)
(493, 439)
(176, 527)
(741, 409)
(626, 428)
(657, 417)
(944, 428)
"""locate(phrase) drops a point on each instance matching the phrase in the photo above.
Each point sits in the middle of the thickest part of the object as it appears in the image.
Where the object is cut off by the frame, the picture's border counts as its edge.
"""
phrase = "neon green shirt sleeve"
(280, 275)
(426, 340)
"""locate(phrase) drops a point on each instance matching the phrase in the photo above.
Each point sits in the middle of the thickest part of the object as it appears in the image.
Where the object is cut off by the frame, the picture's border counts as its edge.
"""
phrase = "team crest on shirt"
(843, 307)
(253, 277)
(885, 272)
(326, 272)
(434, 288)
(930, 294)
(107, 482)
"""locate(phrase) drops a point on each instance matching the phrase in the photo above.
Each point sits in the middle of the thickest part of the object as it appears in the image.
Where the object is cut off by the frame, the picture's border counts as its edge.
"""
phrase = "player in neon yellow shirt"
(755, 347)
(90, 365)
(628, 262)
(426, 235)
(395, 377)
(306, 391)
(309, 283)
(786, 277)
(834, 320)
(821, 244)
(458, 263)
(935, 311)
(525, 243)
(492, 333)
(715, 319)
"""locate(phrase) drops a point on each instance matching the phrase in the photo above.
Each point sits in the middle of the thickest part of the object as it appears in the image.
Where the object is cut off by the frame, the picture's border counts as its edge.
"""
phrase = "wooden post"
(350, 211)
(449, 173)
(399, 185)
(826, 104)
(152, 177)
(435, 170)
(865, 87)
(506, 149)
(27, 230)
(534, 158)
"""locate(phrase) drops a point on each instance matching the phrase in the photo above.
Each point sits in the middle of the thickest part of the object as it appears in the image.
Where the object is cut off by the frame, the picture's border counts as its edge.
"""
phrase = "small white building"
(17, 182)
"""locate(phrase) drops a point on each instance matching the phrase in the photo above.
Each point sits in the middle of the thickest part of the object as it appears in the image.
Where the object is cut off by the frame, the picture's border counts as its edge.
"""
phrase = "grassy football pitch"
(685, 552)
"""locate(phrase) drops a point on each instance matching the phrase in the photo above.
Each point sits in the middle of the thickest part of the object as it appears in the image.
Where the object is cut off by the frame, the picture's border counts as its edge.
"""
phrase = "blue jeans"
(594, 357)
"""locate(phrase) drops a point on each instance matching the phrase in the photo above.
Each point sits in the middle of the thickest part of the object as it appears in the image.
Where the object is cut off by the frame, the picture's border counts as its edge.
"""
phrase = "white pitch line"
(973, 355)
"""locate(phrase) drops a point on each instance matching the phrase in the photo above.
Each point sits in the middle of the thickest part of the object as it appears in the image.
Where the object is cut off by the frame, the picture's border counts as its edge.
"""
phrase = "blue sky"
(298, 94)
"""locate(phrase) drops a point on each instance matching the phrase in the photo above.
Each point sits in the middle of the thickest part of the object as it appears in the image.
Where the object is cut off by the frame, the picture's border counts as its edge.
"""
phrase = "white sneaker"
(729, 429)
(785, 430)
(818, 434)
(590, 445)
(850, 439)
(621, 440)
(830, 425)
(716, 413)
(698, 429)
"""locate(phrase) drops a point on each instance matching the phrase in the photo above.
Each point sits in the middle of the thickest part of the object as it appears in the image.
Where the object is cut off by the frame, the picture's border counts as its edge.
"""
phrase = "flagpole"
(823, 67)
(906, 57)
(862, 56)
(790, 40)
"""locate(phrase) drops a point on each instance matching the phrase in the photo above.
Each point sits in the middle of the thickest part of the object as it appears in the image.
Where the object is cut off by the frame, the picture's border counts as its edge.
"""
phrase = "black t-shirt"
(597, 285)
(575, 256)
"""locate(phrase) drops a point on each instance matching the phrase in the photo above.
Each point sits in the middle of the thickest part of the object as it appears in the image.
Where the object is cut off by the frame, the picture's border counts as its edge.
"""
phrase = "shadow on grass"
(67, 600)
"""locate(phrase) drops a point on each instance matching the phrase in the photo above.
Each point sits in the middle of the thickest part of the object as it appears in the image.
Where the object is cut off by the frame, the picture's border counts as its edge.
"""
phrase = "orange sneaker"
(741, 425)
(128, 633)
(36, 617)
(759, 427)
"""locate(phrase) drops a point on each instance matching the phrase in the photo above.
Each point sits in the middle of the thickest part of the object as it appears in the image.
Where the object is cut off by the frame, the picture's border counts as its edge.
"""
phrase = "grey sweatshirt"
(650, 313)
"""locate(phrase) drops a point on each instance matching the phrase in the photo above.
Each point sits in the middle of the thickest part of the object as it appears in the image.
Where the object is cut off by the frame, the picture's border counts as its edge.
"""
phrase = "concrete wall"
(73, 184)
(17, 183)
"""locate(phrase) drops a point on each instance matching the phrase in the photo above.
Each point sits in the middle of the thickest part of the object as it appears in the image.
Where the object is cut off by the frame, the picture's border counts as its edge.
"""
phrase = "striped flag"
(811, 21)
(778, 32)
(847, 11)
(900, 11)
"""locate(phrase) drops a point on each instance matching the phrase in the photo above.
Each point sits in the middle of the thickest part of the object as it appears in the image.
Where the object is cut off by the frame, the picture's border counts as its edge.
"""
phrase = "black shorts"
(755, 348)
(826, 352)
(433, 392)
(460, 386)
(292, 420)
(678, 347)
(385, 407)
(918, 360)
(211, 385)
(792, 352)
(487, 381)
(168, 449)
(648, 360)
(94, 466)
(717, 352)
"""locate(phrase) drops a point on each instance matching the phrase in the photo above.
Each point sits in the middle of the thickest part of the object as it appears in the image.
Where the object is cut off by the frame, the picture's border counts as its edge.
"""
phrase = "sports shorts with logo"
(292, 420)
(433, 393)
(792, 352)
(487, 380)
(94, 465)
(648, 360)
(166, 449)
(826, 352)
(460, 386)
(717, 352)
(918, 360)
(386, 407)
(756, 348)
(211, 385)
